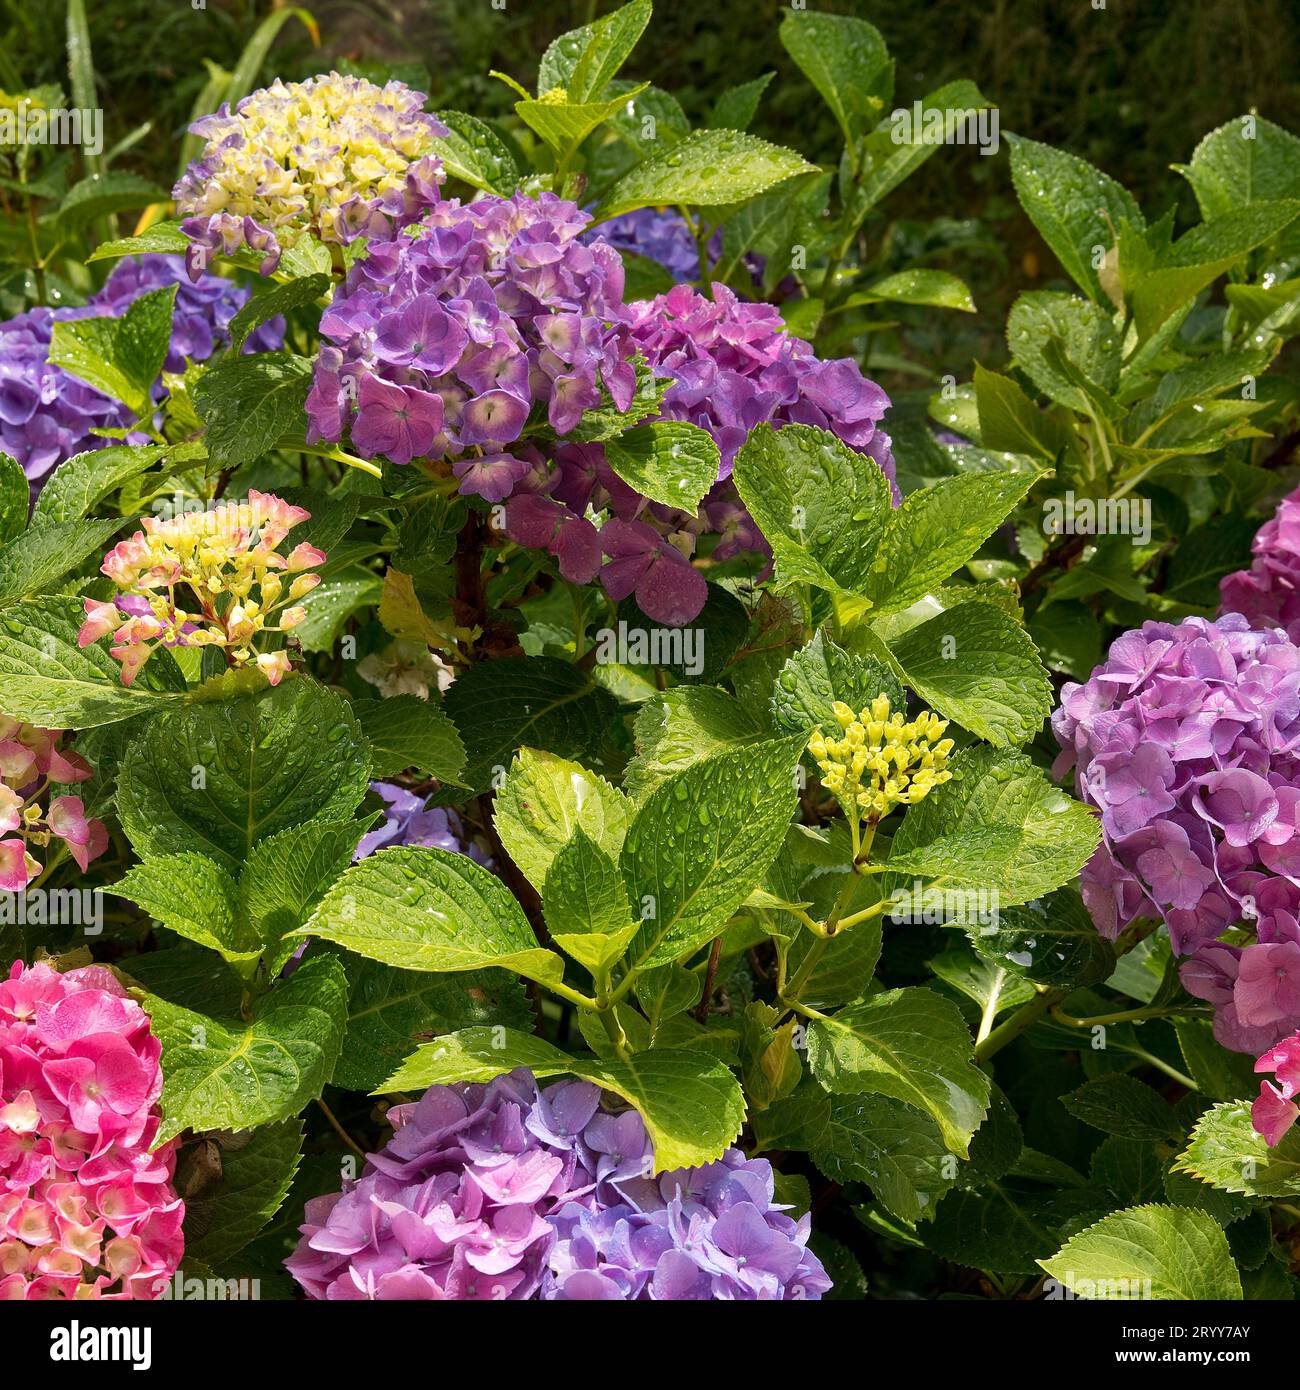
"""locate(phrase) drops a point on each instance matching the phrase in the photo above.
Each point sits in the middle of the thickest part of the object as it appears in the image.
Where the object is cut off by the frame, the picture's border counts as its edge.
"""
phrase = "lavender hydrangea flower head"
(407, 822)
(47, 415)
(336, 157)
(657, 234)
(1268, 593)
(1185, 740)
(441, 341)
(507, 1192)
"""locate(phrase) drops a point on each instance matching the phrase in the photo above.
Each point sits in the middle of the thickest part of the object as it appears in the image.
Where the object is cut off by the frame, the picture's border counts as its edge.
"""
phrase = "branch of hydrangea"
(340, 1131)
(710, 974)
(1124, 1015)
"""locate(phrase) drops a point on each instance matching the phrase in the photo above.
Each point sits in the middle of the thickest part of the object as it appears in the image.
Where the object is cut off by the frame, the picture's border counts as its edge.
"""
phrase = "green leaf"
(390, 1012)
(1220, 1074)
(606, 421)
(196, 898)
(708, 168)
(255, 1180)
(1122, 1105)
(979, 667)
(1227, 1152)
(407, 732)
(796, 1121)
(516, 702)
(935, 531)
(1149, 1252)
(15, 498)
(163, 238)
(586, 907)
(1247, 160)
(221, 777)
(98, 195)
(691, 1103)
(474, 153)
(893, 1148)
(286, 874)
(821, 673)
(669, 461)
(609, 43)
(1010, 421)
(544, 800)
(1081, 330)
(46, 679)
(892, 153)
(247, 403)
(31, 563)
(1201, 255)
(682, 726)
(909, 1044)
(428, 909)
(701, 841)
(937, 288)
(236, 1074)
(1052, 836)
(1051, 941)
(1075, 207)
(737, 106)
(79, 484)
(122, 357)
(565, 125)
(846, 60)
(822, 506)
(279, 299)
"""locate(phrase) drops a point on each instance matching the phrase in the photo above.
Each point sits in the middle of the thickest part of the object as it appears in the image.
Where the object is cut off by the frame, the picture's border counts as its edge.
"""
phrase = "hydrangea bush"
(527, 774)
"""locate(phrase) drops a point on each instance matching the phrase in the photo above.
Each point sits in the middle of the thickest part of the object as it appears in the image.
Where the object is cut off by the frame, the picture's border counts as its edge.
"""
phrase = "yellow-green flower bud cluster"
(881, 760)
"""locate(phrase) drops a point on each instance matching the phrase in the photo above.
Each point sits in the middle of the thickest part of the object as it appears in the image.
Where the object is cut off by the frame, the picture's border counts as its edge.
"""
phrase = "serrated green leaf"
(1074, 205)
(1227, 1152)
(992, 791)
(937, 288)
(163, 238)
(682, 726)
(846, 60)
(234, 1074)
(822, 506)
(407, 732)
(1122, 1105)
(912, 1045)
(98, 195)
(585, 905)
(821, 673)
(196, 898)
(564, 125)
(977, 666)
(79, 484)
(221, 777)
(122, 357)
(1149, 1252)
(669, 461)
(1051, 941)
(474, 153)
(701, 841)
(894, 1149)
(737, 106)
(429, 909)
(691, 1103)
(279, 299)
(1244, 161)
(33, 562)
(46, 679)
(15, 498)
(1084, 332)
(706, 169)
(391, 1012)
(248, 403)
(255, 1180)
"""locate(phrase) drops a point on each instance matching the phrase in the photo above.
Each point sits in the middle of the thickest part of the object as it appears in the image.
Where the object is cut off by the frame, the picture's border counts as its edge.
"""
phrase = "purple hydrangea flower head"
(336, 157)
(407, 822)
(1186, 740)
(444, 339)
(658, 235)
(504, 1191)
(47, 415)
(1268, 593)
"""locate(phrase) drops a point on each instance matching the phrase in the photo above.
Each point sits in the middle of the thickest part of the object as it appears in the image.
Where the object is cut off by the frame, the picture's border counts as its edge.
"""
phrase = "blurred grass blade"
(81, 72)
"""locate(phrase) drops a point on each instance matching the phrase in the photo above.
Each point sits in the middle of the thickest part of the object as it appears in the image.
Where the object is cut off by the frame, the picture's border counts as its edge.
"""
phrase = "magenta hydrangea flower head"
(1275, 1110)
(47, 415)
(445, 338)
(1268, 593)
(33, 764)
(86, 1209)
(336, 157)
(226, 564)
(1185, 741)
(504, 1191)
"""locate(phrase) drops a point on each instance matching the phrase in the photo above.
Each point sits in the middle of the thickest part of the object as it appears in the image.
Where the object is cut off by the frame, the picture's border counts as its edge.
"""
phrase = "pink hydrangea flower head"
(504, 1191)
(33, 762)
(1268, 593)
(87, 1210)
(1186, 741)
(207, 578)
